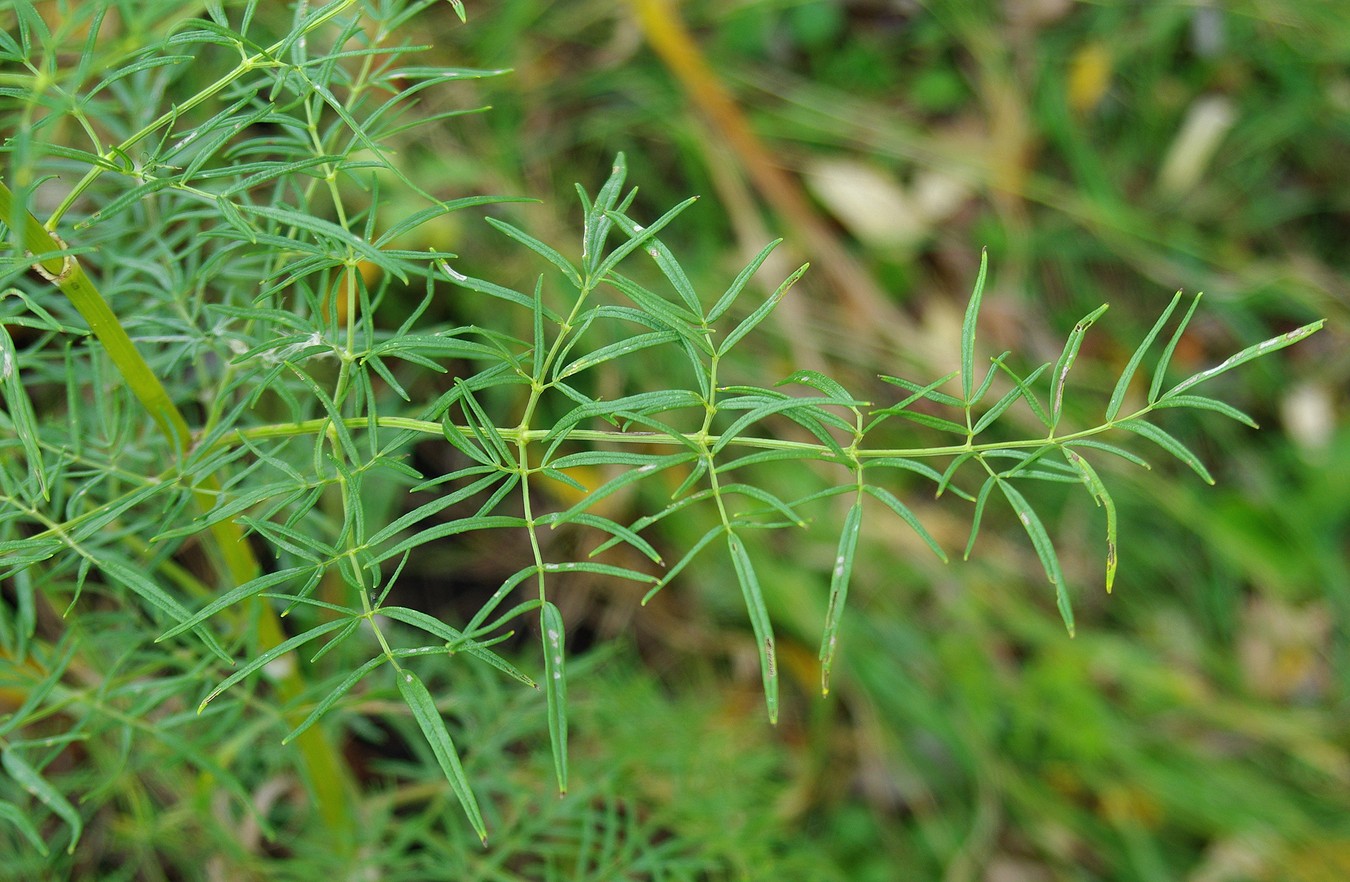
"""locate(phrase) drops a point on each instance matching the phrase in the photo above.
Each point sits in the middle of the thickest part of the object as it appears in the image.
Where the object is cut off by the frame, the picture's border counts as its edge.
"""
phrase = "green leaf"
(616, 350)
(890, 500)
(137, 581)
(1201, 402)
(685, 559)
(489, 437)
(16, 816)
(821, 383)
(427, 510)
(1123, 384)
(930, 392)
(455, 639)
(759, 621)
(555, 688)
(429, 720)
(545, 251)
(800, 410)
(738, 285)
(1024, 387)
(666, 262)
(839, 579)
(30, 780)
(1112, 449)
(643, 235)
(1265, 347)
(1045, 549)
(248, 589)
(1066, 360)
(981, 499)
(619, 531)
(618, 482)
(968, 329)
(750, 322)
(1103, 498)
(270, 656)
(333, 696)
(1168, 443)
(1160, 369)
(1012, 395)
(21, 412)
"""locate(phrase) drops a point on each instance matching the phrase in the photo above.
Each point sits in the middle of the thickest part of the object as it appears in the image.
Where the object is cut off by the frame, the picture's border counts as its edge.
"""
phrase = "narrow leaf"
(738, 285)
(1123, 384)
(544, 250)
(270, 656)
(1201, 402)
(759, 621)
(839, 578)
(1265, 347)
(1066, 360)
(981, 499)
(555, 688)
(1045, 549)
(429, 719)
(1098, 490)
(890, 500)
(968, 329)
(761, 312)
(1168, 443)
(30, 780)
(1160, 369)
(333, 696)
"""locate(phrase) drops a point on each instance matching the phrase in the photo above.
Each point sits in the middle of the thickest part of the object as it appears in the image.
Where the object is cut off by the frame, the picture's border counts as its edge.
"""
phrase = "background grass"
(1196, 726)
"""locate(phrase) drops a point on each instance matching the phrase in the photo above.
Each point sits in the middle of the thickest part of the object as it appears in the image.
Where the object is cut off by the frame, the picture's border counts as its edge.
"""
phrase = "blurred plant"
(255, 379)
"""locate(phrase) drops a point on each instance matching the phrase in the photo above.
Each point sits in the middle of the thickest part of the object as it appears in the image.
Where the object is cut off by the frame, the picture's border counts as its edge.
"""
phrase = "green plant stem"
(601, 436)
(326, 771)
